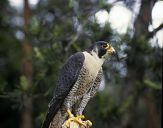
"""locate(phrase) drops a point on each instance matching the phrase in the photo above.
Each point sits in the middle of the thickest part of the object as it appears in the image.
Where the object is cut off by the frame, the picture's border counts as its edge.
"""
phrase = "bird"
(78, 81)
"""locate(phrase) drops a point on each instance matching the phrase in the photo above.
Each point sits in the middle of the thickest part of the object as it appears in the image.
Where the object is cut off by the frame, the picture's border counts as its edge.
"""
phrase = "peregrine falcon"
(78, 81)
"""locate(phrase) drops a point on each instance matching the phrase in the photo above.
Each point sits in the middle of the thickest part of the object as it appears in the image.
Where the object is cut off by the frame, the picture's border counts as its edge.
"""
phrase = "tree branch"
(151, 34)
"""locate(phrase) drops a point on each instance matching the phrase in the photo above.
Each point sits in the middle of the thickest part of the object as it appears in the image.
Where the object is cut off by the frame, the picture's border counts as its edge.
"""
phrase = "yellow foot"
(78, 120)
(88, 123)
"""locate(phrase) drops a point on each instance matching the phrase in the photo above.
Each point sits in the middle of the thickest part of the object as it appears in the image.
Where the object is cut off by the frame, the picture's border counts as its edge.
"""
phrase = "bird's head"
(102, 49)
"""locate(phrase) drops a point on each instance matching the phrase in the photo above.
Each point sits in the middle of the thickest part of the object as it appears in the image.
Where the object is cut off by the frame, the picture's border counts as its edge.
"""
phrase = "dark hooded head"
(102, 49)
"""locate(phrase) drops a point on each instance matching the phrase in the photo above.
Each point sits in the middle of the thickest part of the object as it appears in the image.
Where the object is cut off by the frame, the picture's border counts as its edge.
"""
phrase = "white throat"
(93, 62)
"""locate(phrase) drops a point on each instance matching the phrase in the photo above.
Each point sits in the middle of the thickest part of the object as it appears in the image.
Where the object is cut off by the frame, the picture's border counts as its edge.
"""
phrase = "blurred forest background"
(36, 39)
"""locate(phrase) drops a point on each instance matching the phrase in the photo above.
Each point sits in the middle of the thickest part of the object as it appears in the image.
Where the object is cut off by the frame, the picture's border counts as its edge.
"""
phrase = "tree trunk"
(136, 67)
(27, 71)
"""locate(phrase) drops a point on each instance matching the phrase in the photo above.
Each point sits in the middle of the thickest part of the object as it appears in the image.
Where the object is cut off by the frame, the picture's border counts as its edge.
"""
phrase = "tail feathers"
(53, 109)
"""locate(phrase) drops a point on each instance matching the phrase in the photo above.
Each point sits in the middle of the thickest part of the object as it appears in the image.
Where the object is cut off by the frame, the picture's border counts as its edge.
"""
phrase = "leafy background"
(36, 41)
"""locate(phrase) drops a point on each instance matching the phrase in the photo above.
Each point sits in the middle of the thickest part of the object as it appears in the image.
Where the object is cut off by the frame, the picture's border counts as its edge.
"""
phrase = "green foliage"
(24, 84)
(153, 84)
(58, 29)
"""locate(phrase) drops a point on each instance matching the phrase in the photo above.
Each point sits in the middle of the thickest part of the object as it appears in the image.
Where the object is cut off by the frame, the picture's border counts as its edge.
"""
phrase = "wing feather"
(67, 78)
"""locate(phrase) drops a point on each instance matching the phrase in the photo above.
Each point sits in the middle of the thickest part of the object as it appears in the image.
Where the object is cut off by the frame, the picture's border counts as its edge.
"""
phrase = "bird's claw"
(89, 123)
(86, 124)
(67, 122)
(77, 120)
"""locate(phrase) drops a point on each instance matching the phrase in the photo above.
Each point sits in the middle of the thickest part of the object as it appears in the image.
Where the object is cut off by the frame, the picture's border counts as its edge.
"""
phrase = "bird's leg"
(79, 111)
(69, 113)
(67, 122)
(86, 124)
(72, 118)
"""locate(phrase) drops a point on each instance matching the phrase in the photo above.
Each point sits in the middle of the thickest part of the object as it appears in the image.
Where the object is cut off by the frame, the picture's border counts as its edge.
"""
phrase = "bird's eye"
(104, 45)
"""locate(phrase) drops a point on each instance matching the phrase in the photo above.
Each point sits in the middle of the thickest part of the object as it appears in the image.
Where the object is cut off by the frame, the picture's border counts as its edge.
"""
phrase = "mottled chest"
(88, 74)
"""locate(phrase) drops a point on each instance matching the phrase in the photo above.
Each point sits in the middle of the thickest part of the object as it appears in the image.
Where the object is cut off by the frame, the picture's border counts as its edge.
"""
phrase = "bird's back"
(67, 78)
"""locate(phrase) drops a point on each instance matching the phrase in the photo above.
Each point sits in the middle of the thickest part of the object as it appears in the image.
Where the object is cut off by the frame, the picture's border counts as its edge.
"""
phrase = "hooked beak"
(110, 49)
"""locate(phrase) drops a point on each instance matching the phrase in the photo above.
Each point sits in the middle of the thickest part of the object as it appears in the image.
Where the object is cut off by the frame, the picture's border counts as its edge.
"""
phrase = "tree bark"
(151, 34)
(137, 67)
(144, 18)
(27, 71)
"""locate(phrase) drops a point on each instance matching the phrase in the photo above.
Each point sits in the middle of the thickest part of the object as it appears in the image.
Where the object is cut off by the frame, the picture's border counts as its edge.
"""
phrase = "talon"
(69, 113)
(67, 122)
(89, 123)
(86, 123)
(80, 116)
(78, 120)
